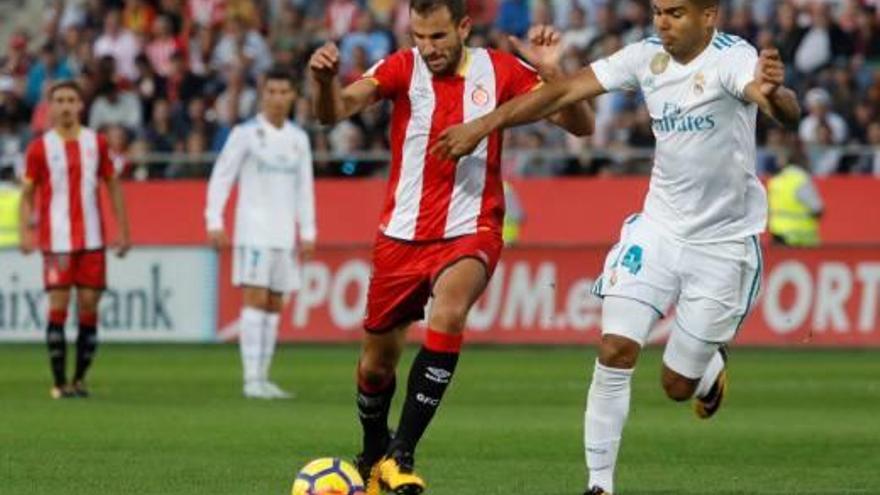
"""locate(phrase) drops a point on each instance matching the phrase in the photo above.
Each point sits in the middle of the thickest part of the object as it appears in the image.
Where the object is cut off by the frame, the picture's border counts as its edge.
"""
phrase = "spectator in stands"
(357, 66)
(240, 43)
(514, 17)
(482, 13)
(200, 46)
(819, 107)
(376, 42)
(196, 119)
(11, 151)
(637, 21)
(75, 50)
(47, 69)
(787, 34)
(869, 163)
(823, 43)
(237, 102)
(115, 106)
(119, 43)
(182, 84)
(579, 35)
(290, 37)
(138, 17)
(159, 136)
(173, 10)
(825, 159)
(17, 61)
(149, 86)
(117, 146)
(340, 17)
(163, 46)
(742, 24)
(246, 10)
(206, 13)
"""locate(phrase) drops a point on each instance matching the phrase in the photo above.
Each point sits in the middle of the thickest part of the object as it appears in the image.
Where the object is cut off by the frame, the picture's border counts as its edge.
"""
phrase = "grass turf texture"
(171, 420)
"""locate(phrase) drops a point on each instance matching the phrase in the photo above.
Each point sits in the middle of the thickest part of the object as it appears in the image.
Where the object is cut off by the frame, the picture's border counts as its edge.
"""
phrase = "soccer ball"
(328, 476)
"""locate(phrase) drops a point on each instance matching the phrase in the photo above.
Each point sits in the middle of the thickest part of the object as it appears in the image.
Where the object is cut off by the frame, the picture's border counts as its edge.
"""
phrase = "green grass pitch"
(170, 420)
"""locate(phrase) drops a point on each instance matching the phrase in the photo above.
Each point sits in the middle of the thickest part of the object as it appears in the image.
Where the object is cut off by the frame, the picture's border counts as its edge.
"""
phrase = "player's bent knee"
(449, 318)
(677, 387)
(616, 351)
(375, 373)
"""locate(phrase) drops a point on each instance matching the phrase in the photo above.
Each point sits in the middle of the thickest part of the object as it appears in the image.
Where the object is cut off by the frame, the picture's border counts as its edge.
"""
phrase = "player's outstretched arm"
(117, 201)
(767, 90)
(545, 101)
(333, 103)
(544, 52)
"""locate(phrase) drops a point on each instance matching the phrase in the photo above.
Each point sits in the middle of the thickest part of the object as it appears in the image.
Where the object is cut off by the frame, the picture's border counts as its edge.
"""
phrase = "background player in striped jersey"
(272, 159)
(440, 231)
(694, 247)
(65, 167)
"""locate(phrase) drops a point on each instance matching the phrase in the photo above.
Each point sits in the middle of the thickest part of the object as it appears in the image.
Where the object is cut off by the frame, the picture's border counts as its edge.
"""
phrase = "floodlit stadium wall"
(178, 289)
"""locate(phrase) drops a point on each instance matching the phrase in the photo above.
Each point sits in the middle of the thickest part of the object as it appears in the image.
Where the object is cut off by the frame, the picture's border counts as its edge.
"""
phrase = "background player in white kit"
(695, 244)
(272, 160)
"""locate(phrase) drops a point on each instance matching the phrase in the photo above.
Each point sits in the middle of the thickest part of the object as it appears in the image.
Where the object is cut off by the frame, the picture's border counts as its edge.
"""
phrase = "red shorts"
(404, 274)
(80, 269)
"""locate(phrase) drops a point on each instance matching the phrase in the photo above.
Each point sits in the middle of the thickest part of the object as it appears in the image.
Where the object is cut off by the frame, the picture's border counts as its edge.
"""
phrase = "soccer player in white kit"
(694, 247)
(272, 160)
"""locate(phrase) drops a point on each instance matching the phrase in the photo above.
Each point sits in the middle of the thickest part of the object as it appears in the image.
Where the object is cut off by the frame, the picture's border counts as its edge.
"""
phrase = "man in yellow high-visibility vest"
(514, 216)
(795, 207)
(10, 199)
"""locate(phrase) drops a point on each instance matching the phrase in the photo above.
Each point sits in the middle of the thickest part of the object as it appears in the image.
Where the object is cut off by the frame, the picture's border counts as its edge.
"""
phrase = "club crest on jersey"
(699, 83)
(659, 63)
(480, 96)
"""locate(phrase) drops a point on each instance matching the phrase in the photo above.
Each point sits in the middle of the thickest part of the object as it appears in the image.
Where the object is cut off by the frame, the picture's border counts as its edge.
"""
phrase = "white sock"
(607, 410)
(250, 326)
(267, 350)
(712, 371)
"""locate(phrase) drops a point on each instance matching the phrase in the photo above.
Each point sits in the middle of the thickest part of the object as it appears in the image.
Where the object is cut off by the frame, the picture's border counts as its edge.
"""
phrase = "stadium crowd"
(173, 76)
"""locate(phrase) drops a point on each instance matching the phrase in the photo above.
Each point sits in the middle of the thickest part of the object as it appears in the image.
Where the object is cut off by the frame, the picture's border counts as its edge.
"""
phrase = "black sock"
(429, 377)
(373, 406)
(57, 346)
(86, 346)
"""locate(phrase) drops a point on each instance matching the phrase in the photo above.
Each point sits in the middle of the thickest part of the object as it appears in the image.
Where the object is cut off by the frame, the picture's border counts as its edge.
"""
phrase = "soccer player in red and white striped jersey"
(64, 169)
(440, 231)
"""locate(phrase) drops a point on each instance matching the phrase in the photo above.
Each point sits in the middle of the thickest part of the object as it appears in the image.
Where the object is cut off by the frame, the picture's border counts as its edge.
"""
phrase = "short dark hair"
(456, 7)
(66, 84)
(280, 73)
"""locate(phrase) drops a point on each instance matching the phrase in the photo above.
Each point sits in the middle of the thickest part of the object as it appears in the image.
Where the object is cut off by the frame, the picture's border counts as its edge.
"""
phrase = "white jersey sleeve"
(305, 208)
(620, 70)
(223, 177)
(738, 70)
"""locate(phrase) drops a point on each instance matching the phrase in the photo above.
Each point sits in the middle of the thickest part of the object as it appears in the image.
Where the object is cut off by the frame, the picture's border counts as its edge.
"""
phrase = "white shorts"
(712, 287)
(268, 268)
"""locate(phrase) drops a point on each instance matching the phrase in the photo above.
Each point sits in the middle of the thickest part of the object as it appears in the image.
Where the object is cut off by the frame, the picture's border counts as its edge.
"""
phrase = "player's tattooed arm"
(333, 103)
(767, 90)
(545, 101)
(544, 52)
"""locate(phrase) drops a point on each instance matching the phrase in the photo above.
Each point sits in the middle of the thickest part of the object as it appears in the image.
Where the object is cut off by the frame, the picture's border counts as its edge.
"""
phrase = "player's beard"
(453, 59)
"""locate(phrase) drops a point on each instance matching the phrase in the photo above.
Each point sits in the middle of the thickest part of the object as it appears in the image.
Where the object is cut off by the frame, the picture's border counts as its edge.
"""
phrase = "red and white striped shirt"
(429, 198)
(66, 175)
